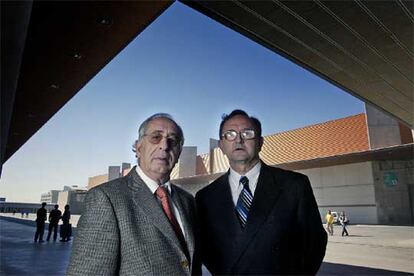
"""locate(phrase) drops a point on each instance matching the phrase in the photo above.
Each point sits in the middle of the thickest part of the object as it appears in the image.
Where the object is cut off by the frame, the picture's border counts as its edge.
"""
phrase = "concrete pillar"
(394, 191)
(187, 162)
(383, 130)
(213, 144)
(113, 172)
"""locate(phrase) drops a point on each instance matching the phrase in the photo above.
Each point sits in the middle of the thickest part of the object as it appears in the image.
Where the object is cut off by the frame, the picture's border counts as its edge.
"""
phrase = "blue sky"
(185, 64)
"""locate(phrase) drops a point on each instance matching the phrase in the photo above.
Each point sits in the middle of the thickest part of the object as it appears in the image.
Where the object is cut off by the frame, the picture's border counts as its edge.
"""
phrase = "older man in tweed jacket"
(140, 224)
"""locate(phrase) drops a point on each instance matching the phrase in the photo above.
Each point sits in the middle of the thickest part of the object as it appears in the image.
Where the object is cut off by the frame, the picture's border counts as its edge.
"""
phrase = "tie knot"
(161, 192)
(244, 180)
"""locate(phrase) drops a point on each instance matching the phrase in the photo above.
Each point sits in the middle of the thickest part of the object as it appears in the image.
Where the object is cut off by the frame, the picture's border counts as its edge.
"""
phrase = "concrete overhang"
(51, 49)
(363, 47)
(400, 152)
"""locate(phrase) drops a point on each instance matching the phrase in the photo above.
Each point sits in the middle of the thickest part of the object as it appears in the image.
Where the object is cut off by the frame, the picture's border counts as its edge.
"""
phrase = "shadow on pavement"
(342, 269)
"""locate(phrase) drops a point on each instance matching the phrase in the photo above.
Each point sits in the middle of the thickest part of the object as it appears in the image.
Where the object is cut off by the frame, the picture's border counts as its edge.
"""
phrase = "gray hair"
(143, 127)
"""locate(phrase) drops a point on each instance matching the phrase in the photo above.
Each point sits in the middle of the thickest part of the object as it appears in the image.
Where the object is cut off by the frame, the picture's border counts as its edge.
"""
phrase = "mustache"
(238, 146)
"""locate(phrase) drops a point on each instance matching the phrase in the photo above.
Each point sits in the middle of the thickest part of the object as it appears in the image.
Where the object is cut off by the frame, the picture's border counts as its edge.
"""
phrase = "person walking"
(41, 216)
(343, 219)
(54, 218)
(329, 222)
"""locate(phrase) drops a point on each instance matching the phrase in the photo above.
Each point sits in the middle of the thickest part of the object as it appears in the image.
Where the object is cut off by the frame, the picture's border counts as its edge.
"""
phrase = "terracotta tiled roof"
(337, 137)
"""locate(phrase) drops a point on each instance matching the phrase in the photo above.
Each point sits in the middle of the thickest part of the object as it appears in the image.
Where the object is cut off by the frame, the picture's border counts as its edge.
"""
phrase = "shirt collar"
(152, 184)
(252, 174)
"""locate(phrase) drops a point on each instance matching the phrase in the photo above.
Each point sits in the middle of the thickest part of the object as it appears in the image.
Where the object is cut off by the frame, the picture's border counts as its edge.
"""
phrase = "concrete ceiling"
(364, 47)
(51, 49)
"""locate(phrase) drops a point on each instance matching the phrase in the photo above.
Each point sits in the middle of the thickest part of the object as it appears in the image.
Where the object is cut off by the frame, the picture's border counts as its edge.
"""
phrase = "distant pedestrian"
(22, 213)
(329, 222)
(343, 219)
(66, 227)
(41, 216)
(54, 218)
(27, 214)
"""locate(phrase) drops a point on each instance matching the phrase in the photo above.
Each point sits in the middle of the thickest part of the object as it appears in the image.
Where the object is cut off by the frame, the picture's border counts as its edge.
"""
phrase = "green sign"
(390, 179)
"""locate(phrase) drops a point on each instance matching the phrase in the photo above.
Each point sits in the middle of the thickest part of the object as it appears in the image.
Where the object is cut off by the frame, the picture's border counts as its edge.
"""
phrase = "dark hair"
(256, 123)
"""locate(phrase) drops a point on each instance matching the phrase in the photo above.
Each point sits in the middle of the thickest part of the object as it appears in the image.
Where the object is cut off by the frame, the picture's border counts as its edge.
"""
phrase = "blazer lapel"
(224, 206)
(265, 198)
(186, 219)
(147, 203)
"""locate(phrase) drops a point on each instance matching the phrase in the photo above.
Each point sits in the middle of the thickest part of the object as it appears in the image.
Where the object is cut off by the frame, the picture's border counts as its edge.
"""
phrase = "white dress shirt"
(153, 185)
(234, 180)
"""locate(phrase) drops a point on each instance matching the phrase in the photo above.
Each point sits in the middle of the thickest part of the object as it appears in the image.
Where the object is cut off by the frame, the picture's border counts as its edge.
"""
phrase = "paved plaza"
(369, 250)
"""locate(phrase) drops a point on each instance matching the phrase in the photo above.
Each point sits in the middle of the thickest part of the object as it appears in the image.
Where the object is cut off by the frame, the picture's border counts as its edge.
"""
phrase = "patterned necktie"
(163, 196)
(244, 202)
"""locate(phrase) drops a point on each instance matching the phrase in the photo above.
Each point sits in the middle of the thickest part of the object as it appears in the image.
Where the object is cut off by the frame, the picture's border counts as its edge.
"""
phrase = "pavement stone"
(20, 255)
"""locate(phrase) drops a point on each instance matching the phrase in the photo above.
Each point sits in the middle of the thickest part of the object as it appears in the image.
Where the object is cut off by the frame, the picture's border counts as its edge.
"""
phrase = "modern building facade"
(113, 173)
(50, 197)
(74, 198)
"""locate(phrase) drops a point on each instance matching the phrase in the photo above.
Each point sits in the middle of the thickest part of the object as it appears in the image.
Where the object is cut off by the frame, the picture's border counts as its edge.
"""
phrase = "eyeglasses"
(245, 134)
(156, 137)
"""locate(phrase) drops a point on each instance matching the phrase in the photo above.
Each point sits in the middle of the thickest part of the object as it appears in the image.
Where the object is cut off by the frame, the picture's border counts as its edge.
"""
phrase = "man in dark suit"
(54, 218)
(41, 216)
(257, 219)
(140, 224)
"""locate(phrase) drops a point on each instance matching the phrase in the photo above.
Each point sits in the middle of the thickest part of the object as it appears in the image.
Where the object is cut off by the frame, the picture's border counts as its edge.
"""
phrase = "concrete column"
(187, 162)
(394, 191)
(383, 130)
(113, 172)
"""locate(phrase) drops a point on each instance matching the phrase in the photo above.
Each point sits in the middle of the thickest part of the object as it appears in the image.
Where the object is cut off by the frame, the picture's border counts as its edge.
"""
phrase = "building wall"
(187, 162)
(18, 207)
(74, 199)
(383, 130)
(394, 191)
(50, 197)
(97, 180)
(114, 172)
(63, 199)
(348, 188)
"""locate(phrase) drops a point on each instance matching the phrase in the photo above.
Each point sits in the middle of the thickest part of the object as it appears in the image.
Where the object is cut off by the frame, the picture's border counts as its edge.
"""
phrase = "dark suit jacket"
(124, 231)
(283, 234)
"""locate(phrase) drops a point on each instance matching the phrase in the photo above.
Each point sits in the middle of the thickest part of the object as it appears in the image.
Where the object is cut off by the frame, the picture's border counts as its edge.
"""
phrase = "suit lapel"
(265, 198)
(185, 216)
(147, 203)
(226, 215)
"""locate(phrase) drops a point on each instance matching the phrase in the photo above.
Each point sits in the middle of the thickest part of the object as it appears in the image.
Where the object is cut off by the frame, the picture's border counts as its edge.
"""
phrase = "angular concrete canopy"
(364, 47)
(51, 49)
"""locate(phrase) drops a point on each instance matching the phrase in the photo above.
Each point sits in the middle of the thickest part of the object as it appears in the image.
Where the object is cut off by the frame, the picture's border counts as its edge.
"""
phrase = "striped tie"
(244, 202)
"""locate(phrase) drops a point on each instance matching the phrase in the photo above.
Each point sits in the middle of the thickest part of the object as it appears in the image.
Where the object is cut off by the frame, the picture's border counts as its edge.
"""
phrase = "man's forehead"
(238, 121)
(162, 125)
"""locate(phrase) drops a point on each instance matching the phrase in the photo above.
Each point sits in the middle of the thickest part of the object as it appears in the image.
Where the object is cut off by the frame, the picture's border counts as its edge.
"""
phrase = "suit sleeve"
(95, 249)
(313, 234)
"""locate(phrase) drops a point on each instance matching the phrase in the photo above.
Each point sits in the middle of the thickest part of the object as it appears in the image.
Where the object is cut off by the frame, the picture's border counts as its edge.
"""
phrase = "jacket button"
(184, 264)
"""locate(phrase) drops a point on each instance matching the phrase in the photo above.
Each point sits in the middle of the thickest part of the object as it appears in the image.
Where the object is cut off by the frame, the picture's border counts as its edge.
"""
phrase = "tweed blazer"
(283, 233)
(124, 231)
